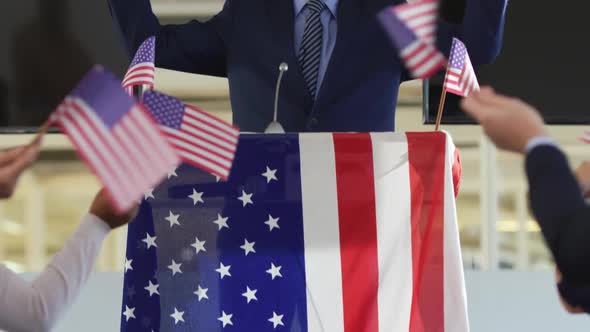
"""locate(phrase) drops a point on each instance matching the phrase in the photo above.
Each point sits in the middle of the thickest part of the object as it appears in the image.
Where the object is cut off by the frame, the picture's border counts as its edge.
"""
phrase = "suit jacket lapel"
(282, 17)
(350, 13)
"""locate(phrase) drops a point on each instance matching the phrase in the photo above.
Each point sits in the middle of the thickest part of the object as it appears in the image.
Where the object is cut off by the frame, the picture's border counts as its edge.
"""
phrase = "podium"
(312, 232)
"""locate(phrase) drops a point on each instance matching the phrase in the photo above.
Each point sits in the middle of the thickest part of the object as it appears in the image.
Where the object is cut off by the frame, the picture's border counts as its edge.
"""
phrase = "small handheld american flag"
(460, 78)
(142, 70)
(412, 29)
(116, 137)
(586, 136)
(201, 139)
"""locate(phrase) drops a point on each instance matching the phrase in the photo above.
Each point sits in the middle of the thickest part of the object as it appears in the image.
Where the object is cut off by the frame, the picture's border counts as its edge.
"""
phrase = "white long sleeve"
(38, 305)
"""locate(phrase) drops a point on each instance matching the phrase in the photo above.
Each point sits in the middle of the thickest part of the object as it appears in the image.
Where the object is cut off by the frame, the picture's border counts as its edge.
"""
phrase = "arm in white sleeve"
(38, 305)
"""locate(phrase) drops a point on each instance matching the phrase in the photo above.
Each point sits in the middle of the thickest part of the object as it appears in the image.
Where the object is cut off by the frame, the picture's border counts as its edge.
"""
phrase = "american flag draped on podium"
(412, 30)
(312, 232)
(142, 70)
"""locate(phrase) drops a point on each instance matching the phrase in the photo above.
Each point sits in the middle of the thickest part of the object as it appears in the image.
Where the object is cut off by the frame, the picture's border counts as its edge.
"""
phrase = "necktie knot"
(315, 6)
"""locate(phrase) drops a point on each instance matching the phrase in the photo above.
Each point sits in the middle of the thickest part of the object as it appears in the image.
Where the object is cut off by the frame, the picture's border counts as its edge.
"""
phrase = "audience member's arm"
(38, 305)
(556, 197)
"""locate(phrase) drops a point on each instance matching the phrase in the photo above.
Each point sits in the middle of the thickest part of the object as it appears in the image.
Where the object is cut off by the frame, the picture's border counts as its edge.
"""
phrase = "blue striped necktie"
(311, 45)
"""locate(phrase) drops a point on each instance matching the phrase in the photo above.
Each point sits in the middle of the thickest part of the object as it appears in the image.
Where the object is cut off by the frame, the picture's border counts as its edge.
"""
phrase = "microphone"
(275, 127)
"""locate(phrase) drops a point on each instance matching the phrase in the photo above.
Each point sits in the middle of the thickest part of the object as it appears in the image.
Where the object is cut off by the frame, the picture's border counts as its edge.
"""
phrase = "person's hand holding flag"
(509, 122)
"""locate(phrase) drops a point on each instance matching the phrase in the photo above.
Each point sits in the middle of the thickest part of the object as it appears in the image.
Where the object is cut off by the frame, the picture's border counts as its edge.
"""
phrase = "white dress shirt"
(38, 305)
(539, 141)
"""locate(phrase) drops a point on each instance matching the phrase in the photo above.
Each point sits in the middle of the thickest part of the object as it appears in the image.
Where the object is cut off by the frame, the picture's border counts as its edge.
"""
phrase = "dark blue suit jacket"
(248, 40)
(564, 218)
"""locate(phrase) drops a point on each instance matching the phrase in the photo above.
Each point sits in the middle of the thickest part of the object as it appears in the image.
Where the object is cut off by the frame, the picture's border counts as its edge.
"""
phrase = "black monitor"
(47, 46)
(545, 60)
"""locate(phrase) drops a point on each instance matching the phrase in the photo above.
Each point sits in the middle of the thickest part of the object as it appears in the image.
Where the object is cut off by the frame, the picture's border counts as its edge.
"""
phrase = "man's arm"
(193, 47)
(558, 205)
(481, 30)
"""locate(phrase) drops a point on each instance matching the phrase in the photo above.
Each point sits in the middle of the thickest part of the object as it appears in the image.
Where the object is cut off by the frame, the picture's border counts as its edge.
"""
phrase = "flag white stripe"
(429, 65)
(394, 230)
(455, 298)
(144, 143)
(205, 163)
(411, 48)
(179, 138)
(145, 71)
(142, 64)
(156, 141)
(200, 152)
(323, 270)
(87, 149)
(120, 159)
(139, 76)
(410, 10)
(421, 20)
(139, 80)
(224, 130)
(424, 31)
(417, 58)
(123, 133)
(92, 136)
(217, 147)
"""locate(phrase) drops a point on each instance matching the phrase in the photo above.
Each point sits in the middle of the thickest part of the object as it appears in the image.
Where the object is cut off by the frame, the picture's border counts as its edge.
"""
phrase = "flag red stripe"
(90, 131)
(154, 140)
(120, 164)
(133, 75)
(131, 84)
(358, 231)
(432, 53)
(214, 122)
(198, 151)
(192, 159)
(88, 149)
(208, 137)
(144, 66)
(141, 157)
(431, 13)
(426, 154)
(111, 197)
(189, 139)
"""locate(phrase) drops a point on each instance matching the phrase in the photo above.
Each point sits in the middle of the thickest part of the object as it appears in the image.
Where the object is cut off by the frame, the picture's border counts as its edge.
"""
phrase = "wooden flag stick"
(441, 106)
(42, 131)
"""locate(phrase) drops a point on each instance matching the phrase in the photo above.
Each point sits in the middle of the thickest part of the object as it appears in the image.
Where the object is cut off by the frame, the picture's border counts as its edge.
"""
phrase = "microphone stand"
(275, 127)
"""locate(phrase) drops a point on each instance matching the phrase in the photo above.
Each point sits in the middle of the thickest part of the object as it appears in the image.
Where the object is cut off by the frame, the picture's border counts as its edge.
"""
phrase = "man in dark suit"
(556, 193)
(344, 74)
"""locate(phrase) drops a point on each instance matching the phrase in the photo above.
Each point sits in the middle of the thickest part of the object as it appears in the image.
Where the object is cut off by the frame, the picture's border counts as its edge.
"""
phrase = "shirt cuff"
(538, 141)
(94, 227)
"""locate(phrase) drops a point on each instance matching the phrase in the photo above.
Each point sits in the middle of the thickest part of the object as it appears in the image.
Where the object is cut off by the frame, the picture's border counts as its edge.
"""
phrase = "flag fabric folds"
(201, 139)
(460, 78)
(312, 232)
(142, 70)
(412, 29)
(116, 137)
